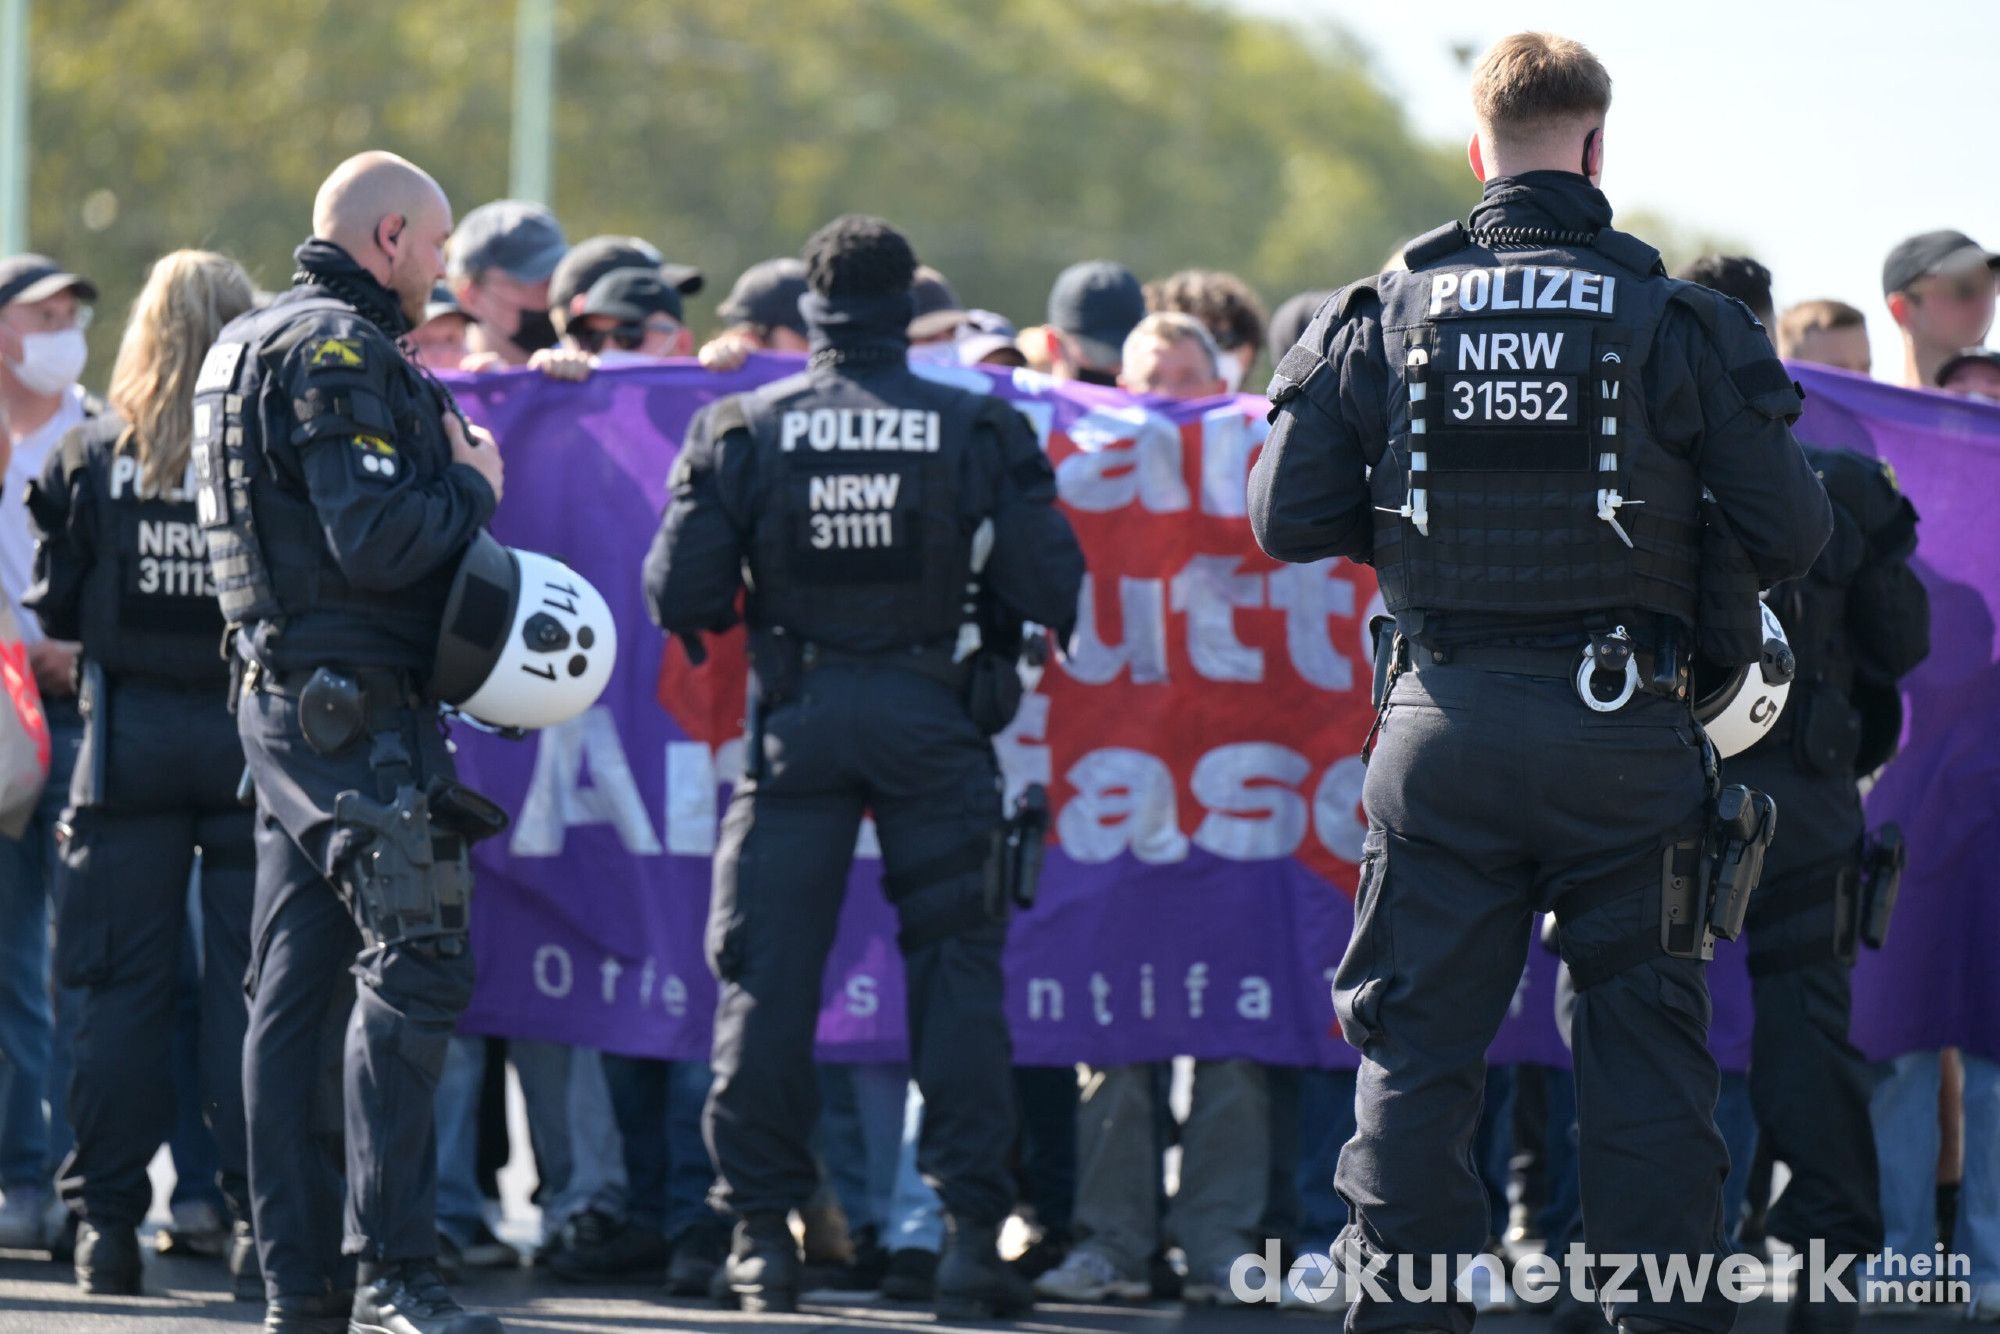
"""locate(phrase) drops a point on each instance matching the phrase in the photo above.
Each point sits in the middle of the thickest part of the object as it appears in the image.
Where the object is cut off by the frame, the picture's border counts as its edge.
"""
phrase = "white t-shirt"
(17, 544)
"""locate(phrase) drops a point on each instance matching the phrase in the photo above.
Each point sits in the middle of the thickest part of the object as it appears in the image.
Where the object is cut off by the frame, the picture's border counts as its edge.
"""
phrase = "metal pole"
(534, 95)
(13, 126)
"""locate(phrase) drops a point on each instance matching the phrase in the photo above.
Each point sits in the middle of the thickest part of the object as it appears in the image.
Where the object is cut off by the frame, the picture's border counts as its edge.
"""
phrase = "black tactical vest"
(1521, 474)
(268, 558)
(147, 608)
(861, 542)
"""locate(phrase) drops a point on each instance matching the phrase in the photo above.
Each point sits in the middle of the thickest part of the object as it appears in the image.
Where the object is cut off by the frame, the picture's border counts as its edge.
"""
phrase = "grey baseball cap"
(631, 295)
(1933, 252)
(37, 278)
(521, 239)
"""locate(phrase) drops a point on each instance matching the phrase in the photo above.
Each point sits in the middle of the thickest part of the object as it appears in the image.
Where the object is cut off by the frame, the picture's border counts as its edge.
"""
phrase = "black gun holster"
(1014, 872)
(1882, 867)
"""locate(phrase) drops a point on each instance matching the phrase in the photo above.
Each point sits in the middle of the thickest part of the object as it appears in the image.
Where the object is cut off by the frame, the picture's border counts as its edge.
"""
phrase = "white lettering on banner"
(1228, 438)
(1336, 806)
(1311, 596)
(1254, 811)
(1207, 591)
(554, 974)
(557, 801)
(1124, 802)
(1100, 991)
(674, 996)
(1253, 999)
(608, 972)
(1123, 455)
(1045, 999)
(1197, 983)
(1142, 607)
(860, 997)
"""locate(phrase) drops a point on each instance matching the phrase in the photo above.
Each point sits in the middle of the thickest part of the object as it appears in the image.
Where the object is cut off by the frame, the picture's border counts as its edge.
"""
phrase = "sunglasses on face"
(625, 337)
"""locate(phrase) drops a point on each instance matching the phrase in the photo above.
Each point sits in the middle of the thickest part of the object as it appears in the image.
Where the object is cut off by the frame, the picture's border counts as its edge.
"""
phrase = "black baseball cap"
(1933, 252)
(1289, 321)
(1096, 304)
(630, 295)
(520, 238)
(37, 278)
(768, 294)
(588, 261)
(936, 307)
(1971, 356)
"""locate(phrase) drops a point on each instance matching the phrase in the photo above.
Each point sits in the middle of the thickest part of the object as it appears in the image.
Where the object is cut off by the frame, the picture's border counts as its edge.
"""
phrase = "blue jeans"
(916, 1216)
(861, 1137)
(667, 1171)
(1326, 1122)
(34, 1065)
(1493, 1145)
(1737, 1121)
(1905, 1111)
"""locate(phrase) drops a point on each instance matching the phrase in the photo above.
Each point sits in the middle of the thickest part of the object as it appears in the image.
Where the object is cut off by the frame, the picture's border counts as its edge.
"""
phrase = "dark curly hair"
(859, 255)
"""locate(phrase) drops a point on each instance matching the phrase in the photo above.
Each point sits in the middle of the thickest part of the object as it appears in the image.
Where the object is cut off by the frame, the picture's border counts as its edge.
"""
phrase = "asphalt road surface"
(191, 1297)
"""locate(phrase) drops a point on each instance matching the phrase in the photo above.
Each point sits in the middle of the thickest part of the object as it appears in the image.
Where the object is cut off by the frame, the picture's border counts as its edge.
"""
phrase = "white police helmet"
(527, 642)
(1743, 704)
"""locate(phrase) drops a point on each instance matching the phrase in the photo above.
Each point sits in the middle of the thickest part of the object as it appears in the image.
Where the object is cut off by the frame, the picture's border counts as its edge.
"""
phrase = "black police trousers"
(344, 1041)
(885, 740)
(1491, 796)
(172, 762)
(1809, 1085)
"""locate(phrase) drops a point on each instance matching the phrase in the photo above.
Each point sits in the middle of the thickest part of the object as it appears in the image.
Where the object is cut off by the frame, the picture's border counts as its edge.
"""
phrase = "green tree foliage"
(1009, 139)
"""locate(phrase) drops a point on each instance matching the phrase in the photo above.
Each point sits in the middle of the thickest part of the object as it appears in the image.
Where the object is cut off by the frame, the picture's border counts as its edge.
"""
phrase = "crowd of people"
(624, 1179)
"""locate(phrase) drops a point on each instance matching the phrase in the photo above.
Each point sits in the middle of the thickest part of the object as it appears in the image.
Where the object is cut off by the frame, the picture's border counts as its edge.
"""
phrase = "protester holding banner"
(866, 503)
(1395, 441)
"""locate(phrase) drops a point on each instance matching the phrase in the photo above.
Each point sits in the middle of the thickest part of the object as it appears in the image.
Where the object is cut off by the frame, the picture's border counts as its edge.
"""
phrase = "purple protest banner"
(1935, 984)
(1200, 749)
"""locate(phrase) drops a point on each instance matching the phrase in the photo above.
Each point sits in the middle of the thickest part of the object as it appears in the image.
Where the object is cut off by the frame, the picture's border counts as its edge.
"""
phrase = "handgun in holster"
(1740, 833)
(1881, 880)
(1014, 874)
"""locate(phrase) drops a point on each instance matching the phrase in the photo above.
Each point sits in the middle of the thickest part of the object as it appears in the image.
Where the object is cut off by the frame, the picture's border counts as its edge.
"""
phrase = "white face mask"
(51, 362)
(1231, 370)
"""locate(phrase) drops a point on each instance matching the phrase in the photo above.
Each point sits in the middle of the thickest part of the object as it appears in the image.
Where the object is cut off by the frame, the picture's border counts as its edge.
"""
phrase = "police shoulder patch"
(375, 458)
(335, 354)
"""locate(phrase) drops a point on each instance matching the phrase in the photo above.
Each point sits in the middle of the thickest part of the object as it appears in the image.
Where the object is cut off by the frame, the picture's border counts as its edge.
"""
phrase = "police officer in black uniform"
(1516, 433)
(855, 501)
(1857, 622)
(119, 566)
(338, 489)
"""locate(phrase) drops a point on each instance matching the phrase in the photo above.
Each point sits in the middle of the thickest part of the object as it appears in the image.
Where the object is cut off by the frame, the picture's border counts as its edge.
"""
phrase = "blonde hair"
(1170, 328)
(188, 297)
(1528, 83)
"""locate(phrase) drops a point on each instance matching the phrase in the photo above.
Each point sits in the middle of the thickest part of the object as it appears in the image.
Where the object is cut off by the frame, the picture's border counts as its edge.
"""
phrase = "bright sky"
(1817, 133)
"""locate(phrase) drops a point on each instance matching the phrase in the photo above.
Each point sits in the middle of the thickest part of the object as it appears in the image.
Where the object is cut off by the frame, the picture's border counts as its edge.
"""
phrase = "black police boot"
(409, 1298)
(762, 1271)
(107, 1259)
(314, 1313)
(973, 1283)
(246, 1275)
(911, 1276)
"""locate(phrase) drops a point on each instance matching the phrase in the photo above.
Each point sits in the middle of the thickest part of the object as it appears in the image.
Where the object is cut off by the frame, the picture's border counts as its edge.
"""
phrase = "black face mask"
(1089, 375)
(535, 331)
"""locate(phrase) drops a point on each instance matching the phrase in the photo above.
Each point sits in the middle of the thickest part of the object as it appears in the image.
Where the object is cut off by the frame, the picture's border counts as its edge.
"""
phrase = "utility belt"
(407, 872)
(1607, 670)
(987, 683)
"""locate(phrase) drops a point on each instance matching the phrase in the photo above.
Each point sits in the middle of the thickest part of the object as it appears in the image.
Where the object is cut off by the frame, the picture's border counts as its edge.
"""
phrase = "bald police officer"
(338, 489)
(855, 501)
(1516, 433)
